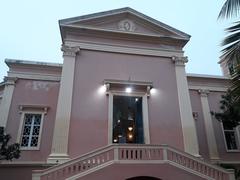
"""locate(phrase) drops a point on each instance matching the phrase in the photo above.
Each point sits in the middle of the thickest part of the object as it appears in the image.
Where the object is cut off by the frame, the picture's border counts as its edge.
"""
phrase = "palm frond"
(230, 8)
(231, 44)
(234, 28)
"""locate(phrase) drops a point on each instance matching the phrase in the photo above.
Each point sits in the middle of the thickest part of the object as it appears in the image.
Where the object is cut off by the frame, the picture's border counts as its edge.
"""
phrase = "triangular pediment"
(124, 20)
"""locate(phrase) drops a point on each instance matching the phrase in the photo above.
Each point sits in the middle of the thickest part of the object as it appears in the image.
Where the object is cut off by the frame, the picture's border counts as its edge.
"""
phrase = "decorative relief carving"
(70, 51)
(179, 61)
(203, 92)
(39, 85)
(126, 25)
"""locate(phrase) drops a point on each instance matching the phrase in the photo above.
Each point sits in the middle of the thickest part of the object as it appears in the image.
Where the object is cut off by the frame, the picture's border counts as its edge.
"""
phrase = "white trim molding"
(124, 49)
(59, 152)
(187, 121)
(210, 88)
(6, 100)
(236, 131)
(34, 76)
(211, 139)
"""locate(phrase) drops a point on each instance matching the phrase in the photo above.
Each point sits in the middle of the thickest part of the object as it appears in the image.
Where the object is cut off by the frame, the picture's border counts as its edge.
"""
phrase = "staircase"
(134, 154)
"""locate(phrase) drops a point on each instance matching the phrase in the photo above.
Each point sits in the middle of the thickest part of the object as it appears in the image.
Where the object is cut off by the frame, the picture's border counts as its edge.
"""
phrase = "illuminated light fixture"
(136, 99)
(115, 140)
(119, 135)
(119, 121)
(130, 128)
(103, 89)
(128, 90)
(130, 136)
(153, 91)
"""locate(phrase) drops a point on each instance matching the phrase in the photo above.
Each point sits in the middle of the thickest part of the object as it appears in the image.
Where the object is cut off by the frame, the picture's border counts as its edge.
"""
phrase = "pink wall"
(201, 133)
(14, 172)
(89, 118)
(213, 99)
(39, 93)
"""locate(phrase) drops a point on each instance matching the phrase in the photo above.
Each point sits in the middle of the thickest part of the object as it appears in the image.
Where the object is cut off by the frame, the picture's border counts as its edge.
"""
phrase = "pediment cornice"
(122, 21)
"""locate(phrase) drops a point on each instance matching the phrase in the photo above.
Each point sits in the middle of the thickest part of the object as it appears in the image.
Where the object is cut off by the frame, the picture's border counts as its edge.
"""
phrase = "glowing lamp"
(128, 90)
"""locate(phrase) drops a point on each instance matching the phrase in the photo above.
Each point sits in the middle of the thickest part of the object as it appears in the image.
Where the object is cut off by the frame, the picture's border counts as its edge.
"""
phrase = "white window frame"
(21, 127)
(237, 132)
(144, 111)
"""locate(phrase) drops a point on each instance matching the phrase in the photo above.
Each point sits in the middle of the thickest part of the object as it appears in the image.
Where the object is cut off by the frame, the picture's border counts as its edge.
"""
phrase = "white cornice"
(125, 49)
(84, 27)
(34, 76)
(11, 62)
(209, 88)
(207, 76)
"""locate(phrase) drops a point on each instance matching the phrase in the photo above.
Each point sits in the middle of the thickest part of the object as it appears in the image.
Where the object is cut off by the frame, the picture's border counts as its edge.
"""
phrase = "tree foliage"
(230, 110)
(8, 152)
(231, 43)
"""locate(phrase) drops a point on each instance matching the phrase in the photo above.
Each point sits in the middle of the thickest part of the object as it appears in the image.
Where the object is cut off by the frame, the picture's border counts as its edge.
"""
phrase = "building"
(121, 105)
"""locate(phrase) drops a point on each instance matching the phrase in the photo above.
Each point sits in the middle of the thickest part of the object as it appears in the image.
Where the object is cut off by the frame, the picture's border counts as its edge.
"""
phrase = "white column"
(211, 140)
(60, 137)
(188, 124)
(6, 100)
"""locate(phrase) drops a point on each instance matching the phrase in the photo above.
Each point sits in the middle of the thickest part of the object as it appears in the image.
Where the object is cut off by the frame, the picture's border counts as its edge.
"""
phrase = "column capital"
(179, 61)
(70, 51)
(10, 80)
(203, 92)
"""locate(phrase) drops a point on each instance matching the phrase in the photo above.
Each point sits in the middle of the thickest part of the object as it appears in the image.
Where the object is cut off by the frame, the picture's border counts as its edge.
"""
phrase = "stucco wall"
(15, 172)
(32, 92)
(89, 118)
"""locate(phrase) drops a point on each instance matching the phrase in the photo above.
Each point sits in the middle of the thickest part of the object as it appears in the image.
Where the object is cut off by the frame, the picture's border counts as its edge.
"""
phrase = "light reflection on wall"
(102, 90)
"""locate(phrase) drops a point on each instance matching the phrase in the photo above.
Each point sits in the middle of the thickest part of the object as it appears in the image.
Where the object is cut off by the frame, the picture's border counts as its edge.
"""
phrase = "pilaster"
(211, 140)
(187, 121)
(59, 151)
(6, 100)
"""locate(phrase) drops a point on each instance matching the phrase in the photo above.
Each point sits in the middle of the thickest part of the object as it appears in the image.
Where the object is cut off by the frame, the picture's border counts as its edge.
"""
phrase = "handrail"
(82, 157)
(135, 154)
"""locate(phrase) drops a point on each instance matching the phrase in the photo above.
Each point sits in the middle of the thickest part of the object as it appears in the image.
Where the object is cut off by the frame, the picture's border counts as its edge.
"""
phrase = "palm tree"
(231, 43)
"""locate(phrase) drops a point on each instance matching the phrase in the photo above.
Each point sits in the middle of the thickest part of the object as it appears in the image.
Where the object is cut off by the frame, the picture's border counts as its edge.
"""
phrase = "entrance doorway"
(127, 119)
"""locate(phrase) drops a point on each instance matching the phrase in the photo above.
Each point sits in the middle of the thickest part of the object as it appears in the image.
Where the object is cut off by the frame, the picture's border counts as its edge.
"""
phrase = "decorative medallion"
(126, 25)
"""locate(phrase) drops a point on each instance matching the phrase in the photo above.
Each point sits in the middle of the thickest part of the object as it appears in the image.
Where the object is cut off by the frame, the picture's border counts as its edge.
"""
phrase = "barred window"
(31, 130)
(231, 136)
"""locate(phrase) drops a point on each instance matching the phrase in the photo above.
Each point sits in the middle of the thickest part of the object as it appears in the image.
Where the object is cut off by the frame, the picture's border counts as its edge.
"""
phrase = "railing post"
(165, 157)
(116, 153)
(231, 174)
(36, 176)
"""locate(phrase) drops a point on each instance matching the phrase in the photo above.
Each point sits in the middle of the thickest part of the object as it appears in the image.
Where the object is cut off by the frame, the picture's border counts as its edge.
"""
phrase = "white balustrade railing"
(134, 154)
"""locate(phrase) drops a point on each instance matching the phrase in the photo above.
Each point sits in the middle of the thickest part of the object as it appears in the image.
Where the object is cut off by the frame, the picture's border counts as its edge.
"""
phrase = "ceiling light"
(130, 128)
(130, 136)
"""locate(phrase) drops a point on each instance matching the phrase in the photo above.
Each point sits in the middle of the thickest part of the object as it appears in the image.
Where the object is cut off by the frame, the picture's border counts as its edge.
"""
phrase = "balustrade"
(133, 154)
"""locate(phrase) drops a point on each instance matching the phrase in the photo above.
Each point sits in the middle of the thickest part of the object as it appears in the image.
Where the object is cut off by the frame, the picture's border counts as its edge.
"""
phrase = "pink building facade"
(120, 105)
